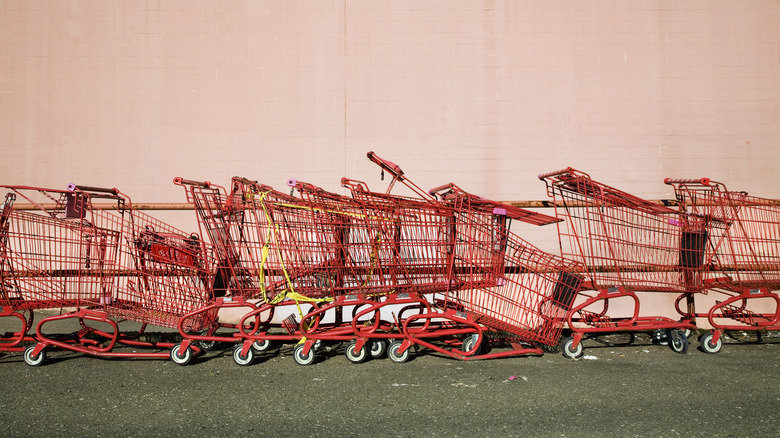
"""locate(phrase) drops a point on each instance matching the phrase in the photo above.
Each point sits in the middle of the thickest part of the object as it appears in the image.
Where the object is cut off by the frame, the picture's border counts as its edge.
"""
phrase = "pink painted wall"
(486, 93)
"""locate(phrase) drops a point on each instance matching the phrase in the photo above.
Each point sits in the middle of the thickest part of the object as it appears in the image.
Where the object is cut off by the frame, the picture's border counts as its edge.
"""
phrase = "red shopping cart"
(509, 284)
(119, 264)
(48, 258)
(628, 245)
(746, 269)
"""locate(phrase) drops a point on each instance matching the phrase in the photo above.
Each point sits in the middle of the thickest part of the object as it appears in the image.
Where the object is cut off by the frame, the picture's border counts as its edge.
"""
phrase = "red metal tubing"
(440, 188)
(702, 181)
(112, 191)
(543, 176)
(181, 181)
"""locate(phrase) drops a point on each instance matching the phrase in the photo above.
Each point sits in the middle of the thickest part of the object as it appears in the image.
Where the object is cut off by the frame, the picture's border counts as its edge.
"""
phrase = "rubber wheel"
(354, 357)
(303, 359)
(661, 336)
(245, 359)
(707, 346)
(678, 342)
(571, 352)
(468, 344)
(394, 355)
(261, 344)
(207, 345)
(378, 349)
(31, 360)
(181, 357)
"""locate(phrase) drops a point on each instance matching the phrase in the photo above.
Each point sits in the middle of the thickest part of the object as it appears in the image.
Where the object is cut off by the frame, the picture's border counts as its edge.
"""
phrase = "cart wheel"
(708, 346)
(661, 336)
(392, 352)
(378, 348)
(244, 359)
(469, 343)
(181, 357)
(31, 360)
(302, 359)
(207, 345)
(261, 344)
(678, 342)
(569, 351)
(358, 357)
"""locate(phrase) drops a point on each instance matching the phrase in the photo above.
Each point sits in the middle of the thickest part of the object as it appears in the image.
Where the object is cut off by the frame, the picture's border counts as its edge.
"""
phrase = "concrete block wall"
(485, 93)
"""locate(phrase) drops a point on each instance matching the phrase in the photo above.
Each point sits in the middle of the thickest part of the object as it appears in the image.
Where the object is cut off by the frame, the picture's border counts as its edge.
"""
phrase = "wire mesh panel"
(400, 244)
(172, 275)
(746, 268)
(55, 255)
(504, 281)
(751, 253)
(626, 241)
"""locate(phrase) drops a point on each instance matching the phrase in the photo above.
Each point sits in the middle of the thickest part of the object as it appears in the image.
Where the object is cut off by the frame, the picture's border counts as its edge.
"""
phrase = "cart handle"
(543, 176)
(181, 181)
(301, 185)
(391, 167)
(245, 181)
(112, 191)
(702, 181)
(440, 188)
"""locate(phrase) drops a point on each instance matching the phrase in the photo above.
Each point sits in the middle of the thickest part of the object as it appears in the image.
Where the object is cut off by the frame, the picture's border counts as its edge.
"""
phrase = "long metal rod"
(187, 206)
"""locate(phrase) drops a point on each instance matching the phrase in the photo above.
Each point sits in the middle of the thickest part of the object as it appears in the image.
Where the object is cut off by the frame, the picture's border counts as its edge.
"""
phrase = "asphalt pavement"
(639, 389)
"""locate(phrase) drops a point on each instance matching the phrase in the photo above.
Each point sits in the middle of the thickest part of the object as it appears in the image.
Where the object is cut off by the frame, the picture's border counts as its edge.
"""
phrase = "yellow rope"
(290, 291)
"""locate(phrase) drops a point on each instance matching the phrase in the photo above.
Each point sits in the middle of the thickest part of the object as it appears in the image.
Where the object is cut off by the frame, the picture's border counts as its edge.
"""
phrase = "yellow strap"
(290, 292)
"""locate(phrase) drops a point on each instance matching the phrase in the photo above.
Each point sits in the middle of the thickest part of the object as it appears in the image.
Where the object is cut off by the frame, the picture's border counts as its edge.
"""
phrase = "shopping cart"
(628, 245)
(114, 263)
(507, 283)
(746, 270)
(45, 256)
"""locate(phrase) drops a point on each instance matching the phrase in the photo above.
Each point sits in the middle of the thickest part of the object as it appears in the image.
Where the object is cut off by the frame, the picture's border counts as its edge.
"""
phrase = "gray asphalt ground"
(636, 390)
